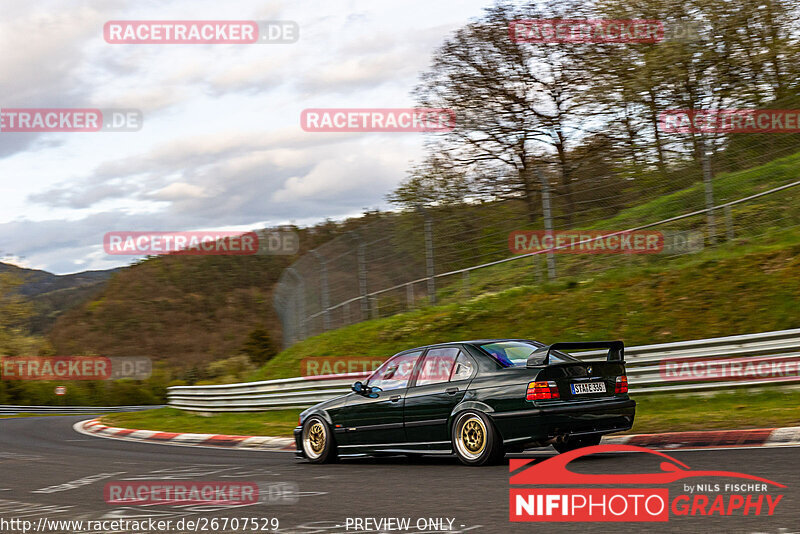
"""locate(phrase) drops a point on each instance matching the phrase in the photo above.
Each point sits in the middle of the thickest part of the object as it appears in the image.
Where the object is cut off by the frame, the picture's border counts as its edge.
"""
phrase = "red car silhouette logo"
(554, 470)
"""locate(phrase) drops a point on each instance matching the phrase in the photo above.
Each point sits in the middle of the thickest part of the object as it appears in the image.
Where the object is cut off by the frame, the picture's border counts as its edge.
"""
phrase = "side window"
(463, 368)
(437, 366)
(395, 373)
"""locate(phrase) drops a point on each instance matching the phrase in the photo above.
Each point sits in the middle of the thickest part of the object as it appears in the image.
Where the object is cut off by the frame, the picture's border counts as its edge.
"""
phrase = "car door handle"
(394, 398)
(451, 391)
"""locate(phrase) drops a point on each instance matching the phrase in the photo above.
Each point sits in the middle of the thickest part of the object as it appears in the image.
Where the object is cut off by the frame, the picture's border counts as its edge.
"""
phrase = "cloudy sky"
(221, 145)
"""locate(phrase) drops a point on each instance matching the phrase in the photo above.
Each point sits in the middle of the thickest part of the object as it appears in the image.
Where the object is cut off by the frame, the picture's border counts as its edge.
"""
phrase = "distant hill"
(53, 294)
(183, 310)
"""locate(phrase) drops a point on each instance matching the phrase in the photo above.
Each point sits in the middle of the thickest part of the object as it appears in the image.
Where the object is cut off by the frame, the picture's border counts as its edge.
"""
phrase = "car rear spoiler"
(616, 350)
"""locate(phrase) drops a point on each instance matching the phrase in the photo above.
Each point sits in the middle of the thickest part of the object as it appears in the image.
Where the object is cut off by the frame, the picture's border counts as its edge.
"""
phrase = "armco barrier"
(643, 363)
(265, 395)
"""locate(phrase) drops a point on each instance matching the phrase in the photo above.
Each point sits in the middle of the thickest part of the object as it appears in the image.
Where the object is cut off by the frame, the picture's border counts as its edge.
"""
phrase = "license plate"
(588, 387)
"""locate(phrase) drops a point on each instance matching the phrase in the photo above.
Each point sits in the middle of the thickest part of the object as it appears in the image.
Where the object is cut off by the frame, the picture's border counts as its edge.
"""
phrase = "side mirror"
(358, 387)
(372, 392)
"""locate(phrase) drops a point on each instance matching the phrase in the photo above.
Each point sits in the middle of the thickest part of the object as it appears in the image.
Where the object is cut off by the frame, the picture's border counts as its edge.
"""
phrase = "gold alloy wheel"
(314, 439)
(471, 437)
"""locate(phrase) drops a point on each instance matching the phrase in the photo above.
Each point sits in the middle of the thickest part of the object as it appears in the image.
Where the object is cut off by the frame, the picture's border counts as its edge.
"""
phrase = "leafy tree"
(517, 104)
(435, 182)
(259, 346)
(15, 314)
(527, 111)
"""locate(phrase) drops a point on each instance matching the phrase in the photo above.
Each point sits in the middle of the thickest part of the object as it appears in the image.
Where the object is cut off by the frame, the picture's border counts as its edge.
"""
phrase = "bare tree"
(517, 103)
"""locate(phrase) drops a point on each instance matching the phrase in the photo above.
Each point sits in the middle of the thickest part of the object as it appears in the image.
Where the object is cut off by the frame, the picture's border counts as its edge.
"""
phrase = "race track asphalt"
(47, 470)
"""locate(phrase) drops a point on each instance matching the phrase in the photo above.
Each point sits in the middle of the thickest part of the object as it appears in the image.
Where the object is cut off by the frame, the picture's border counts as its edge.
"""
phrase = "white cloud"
(221, 143)
(178, 190)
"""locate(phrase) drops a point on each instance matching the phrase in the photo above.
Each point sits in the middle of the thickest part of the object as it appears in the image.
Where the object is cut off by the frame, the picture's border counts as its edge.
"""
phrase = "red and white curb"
(762, 437)
(94, 427)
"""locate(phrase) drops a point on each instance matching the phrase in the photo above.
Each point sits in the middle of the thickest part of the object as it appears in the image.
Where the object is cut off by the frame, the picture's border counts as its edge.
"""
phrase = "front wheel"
(570, 444)
(475, 440)
(318, 444)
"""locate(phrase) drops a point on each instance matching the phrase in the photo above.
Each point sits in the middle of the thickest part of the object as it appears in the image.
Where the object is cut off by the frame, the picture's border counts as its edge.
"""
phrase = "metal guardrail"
(69, 410)
(265, 395)
(644, 364)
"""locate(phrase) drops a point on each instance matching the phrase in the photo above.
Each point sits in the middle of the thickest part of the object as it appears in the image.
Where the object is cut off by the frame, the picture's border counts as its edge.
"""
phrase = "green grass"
(749, 284)
(654, 414)
(727, 187)
(738, 409)
(724, 293)
(758, 224)
(272, 423)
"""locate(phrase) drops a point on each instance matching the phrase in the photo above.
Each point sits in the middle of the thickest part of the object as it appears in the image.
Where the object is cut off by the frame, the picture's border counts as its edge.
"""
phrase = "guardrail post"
(323, 276)
(465, 282)
(410, 296)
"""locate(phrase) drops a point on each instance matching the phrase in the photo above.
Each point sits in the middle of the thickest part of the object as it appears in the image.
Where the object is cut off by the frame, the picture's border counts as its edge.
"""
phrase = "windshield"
(516, 353)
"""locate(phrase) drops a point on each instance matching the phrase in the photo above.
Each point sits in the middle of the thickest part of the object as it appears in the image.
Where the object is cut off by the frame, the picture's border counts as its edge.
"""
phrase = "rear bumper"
(542, 424)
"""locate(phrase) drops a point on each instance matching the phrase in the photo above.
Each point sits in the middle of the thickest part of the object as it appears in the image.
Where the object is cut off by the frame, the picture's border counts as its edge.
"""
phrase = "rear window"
(516, 353)
(438, 366)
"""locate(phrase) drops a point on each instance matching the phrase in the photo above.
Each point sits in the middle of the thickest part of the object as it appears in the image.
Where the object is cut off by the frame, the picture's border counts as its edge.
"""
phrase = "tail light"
(542, 390)
(621, 384)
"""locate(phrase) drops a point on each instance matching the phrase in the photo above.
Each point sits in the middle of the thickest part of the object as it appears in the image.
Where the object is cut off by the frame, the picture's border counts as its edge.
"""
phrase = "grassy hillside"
(769, 221)
(727, 187)
(731, 290)
(750, 283)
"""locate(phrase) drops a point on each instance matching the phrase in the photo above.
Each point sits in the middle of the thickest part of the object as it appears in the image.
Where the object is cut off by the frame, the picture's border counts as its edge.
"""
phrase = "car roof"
(469, 342)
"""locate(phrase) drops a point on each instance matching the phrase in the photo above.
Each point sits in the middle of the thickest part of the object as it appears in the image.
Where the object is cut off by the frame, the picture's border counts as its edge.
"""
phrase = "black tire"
(317, 441)
(577, 443)
(475, 440)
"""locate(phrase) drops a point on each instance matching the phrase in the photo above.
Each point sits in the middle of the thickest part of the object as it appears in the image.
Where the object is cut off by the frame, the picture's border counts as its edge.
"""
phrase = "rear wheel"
(475, 440)
(318, 444)
(570, 444)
